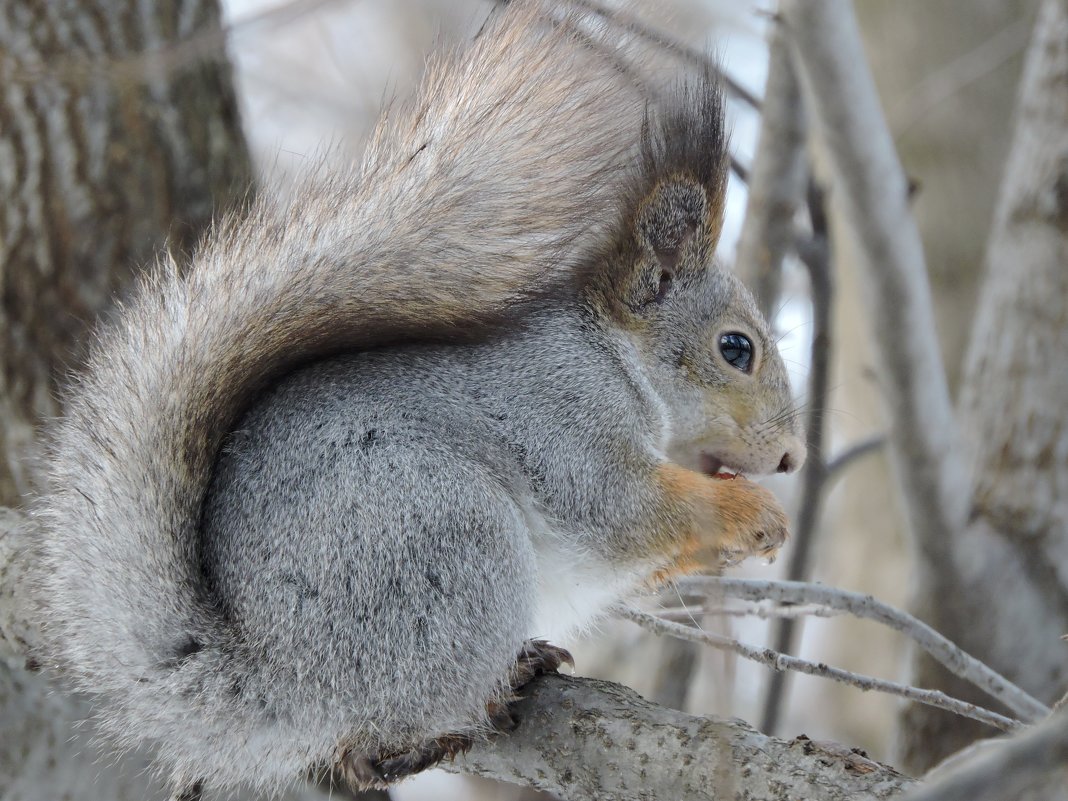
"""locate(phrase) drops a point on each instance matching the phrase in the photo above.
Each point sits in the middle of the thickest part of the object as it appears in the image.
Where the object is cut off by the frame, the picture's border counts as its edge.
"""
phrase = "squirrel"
(323, 496)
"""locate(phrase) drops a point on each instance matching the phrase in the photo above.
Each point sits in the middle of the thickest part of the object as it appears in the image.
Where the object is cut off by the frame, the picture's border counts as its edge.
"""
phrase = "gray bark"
(1009, 567)
(582, 739)
(113, 144)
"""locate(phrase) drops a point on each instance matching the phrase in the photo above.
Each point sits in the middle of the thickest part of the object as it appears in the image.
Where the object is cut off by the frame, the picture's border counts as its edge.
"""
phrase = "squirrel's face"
(716, 366)
(707, 350)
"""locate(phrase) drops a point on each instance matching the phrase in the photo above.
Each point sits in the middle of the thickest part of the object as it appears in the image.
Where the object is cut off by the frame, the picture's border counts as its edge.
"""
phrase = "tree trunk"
(119, 135)
(1009, 569)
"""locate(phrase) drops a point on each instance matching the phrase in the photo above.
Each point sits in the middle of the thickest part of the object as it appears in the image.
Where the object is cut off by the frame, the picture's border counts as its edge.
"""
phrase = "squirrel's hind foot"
(363, 772)
(535, 658)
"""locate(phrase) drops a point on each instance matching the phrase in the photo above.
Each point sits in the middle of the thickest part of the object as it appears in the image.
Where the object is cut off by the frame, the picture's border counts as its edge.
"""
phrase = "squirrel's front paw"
(751, 522)
(718, 521)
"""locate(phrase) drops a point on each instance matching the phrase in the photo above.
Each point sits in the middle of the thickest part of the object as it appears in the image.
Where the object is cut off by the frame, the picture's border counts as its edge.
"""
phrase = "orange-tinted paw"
(722, 521)
(751, 522)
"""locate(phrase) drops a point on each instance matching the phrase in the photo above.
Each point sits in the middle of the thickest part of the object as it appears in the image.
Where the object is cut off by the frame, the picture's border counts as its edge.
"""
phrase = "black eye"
(737, 350)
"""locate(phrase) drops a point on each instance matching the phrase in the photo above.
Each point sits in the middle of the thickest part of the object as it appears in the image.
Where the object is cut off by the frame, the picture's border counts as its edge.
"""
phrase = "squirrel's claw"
(363, 772)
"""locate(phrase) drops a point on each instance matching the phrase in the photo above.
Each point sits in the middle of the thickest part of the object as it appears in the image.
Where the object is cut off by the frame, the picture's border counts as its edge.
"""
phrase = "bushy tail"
(483, 192)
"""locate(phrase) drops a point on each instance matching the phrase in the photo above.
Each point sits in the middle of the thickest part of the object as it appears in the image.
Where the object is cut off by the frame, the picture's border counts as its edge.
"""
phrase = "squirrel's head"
(705, 347)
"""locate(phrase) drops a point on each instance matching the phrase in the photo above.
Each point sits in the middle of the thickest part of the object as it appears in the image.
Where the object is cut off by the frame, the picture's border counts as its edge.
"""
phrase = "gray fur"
(258, 553)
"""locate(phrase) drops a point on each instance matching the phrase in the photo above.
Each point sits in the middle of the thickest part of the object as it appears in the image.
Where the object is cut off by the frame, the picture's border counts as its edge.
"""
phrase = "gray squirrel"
(322, 497)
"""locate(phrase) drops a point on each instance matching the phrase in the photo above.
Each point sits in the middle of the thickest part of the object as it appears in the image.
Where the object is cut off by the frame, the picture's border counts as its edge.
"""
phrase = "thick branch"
(1029, 767)
(871, 194)
(585, 739)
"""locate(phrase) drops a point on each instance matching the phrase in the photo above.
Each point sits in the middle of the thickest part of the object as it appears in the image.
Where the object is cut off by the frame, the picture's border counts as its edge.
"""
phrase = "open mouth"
(715, 467)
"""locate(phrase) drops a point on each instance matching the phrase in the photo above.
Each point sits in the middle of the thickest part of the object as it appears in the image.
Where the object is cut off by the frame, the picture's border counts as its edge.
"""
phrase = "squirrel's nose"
(788, 463)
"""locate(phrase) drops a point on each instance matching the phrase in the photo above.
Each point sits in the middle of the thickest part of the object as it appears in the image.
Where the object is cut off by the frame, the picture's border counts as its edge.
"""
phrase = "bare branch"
(861, 449)
(935, 89)
(638, 28)
(779, 661)
(777, 182)
(691, 614)
(583, 739)
(1030, 766)
(868, 608)
(871, 195)
(817, 258)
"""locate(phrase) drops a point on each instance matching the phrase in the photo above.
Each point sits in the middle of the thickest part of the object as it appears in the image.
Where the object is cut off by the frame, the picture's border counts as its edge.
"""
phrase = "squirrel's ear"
(673, 225)
(673, 236)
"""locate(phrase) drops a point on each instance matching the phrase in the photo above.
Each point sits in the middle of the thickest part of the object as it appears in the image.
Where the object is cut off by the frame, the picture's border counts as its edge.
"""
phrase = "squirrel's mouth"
(717, 468)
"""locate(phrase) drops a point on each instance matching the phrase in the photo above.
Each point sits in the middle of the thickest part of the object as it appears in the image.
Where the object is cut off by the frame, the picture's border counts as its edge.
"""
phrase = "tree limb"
(871, 195)
(780, 661)
(585, 739)
(1028, 767)
(868, 608)
(776, 181)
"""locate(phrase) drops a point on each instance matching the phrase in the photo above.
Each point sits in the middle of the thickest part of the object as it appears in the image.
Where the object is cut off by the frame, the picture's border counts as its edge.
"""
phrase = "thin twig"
(951, 656)
(941, 84)
(740, 170)
(690, 614)
(779, 662)
(664, 40)
(817, 259)
(635, 76)
(843, 460)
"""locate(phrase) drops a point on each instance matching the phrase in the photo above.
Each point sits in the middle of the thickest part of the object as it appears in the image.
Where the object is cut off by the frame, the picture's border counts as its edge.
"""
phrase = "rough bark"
(584, 739)
(111, 147)
(1009, 568)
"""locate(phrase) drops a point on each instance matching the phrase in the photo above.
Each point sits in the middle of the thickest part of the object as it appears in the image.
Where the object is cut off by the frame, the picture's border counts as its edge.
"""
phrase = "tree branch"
(817, 259)
(585, 739)
(1028, 767)
(637, 27)
(780, 661)
(868, 608)
(837, 464)
(871, 195)
(776, 182)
